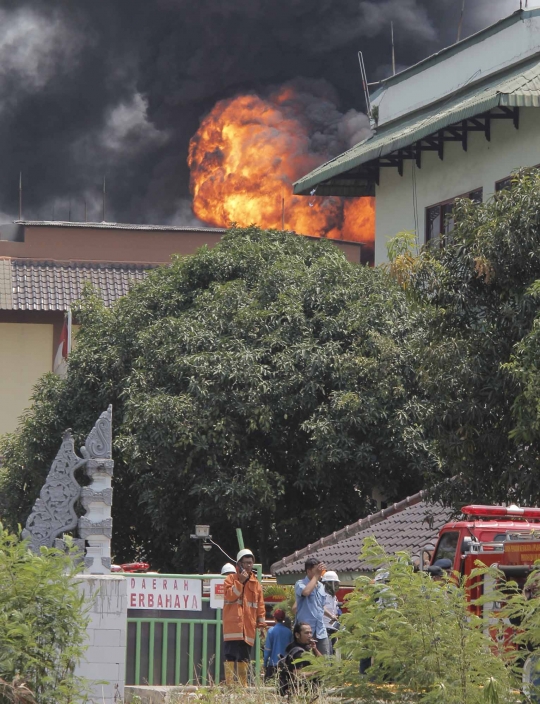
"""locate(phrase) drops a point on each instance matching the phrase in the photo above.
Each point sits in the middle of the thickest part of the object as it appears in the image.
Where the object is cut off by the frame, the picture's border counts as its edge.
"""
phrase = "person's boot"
(229, 673)
(243, 673)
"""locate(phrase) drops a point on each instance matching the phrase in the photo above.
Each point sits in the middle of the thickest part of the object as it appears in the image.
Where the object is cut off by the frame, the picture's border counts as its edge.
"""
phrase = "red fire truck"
(505, 536)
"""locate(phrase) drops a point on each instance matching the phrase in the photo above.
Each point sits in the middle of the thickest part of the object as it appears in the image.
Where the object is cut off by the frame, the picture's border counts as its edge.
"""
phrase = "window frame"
(441, 236)
(437, 556)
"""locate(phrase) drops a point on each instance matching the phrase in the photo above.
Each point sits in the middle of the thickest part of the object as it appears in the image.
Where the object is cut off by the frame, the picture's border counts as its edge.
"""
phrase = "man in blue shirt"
(277, 639)
(310, 603)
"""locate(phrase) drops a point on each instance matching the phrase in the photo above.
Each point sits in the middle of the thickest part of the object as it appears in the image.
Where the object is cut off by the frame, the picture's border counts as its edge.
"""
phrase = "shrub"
(42, 622)
(424, 643)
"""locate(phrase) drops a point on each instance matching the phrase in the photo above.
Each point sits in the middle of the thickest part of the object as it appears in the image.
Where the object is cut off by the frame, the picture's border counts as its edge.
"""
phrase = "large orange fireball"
(248, 152)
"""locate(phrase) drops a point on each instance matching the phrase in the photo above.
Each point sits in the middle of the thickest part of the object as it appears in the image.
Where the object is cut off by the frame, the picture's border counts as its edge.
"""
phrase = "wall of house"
(25, 354)
(460, 172)
(87, 243)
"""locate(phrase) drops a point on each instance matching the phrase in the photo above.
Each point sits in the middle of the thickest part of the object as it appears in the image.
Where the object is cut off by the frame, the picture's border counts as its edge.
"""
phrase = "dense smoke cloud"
(88, 89)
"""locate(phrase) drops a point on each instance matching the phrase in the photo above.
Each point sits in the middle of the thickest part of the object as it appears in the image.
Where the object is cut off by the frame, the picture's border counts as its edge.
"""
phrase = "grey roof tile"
(409, 525)
(55, 285)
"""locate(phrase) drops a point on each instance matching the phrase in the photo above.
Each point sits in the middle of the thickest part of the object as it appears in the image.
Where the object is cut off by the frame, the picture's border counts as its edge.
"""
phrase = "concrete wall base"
(156, 695)
(104, 664)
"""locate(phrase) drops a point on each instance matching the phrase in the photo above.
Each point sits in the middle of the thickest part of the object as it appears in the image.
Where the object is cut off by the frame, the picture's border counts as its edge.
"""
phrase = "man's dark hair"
(311, 562)
(297, 630)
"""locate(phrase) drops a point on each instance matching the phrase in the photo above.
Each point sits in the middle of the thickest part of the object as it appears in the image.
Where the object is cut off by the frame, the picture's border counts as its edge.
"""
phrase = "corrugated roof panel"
(6, 285)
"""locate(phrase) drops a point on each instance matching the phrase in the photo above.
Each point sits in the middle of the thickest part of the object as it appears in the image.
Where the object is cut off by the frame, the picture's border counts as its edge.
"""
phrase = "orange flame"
(244, 159)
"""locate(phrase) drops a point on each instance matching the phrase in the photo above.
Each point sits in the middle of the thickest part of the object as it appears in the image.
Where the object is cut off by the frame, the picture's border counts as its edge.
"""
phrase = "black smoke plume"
(98, 88)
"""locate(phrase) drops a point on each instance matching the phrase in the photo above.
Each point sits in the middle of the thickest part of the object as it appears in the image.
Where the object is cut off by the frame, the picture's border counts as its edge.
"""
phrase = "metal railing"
(183, 649)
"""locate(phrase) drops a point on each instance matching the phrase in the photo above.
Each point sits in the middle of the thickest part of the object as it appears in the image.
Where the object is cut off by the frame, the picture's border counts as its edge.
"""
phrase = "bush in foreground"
(424, 643)
(42, 623)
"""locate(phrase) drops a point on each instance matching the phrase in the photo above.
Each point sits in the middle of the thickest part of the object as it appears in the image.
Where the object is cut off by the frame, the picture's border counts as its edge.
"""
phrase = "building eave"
(356, 172)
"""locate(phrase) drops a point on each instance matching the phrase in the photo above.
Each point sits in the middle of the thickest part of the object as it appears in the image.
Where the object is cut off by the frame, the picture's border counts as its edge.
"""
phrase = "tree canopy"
(478, 286)
(272, 385)
(264, 384)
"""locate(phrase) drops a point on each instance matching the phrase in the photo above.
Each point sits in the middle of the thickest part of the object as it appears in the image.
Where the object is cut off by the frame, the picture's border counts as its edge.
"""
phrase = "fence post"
(258, 570)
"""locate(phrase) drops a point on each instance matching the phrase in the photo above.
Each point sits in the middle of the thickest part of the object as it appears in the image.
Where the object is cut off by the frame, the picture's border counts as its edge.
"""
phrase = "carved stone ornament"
(98, 444)
(54, 512)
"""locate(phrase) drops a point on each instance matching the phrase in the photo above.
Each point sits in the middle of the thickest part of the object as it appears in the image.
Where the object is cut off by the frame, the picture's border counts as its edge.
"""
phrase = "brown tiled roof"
(28, 284)
(408, 525)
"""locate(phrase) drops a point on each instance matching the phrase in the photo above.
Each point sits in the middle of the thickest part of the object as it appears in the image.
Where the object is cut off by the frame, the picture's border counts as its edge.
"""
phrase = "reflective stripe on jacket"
(243, 609)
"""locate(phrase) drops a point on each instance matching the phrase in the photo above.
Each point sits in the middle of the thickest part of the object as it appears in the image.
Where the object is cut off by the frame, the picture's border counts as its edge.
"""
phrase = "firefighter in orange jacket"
(243, 613)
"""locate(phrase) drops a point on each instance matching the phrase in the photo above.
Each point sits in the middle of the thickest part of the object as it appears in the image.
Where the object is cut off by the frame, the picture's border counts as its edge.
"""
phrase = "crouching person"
(243, 613)
(291, 678)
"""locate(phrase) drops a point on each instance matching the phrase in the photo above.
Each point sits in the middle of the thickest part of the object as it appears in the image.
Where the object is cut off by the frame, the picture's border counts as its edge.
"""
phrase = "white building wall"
(104, 664)
(462, 65)
(460, 172)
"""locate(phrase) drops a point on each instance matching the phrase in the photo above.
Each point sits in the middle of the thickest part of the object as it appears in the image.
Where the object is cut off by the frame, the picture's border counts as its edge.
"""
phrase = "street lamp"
(202, 534)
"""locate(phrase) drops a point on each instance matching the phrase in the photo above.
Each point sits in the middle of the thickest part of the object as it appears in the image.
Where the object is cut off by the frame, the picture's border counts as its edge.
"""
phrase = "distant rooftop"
(408, 526)
(27, 284)
(119, 226)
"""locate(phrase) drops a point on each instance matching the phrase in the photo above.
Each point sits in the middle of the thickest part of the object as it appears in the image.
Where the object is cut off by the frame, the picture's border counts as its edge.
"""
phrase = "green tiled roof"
(519, 87)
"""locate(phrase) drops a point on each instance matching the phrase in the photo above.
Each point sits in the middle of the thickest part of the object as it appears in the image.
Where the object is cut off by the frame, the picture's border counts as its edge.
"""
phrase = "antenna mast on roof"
(365, 85)
(460, 20)
(20, 195)
(393, 50)
(103, 198)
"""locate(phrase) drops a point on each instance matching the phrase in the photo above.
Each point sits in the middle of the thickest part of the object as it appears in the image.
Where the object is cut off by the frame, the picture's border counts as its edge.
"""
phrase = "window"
(439, 221)
(505, 184)
(447, 547)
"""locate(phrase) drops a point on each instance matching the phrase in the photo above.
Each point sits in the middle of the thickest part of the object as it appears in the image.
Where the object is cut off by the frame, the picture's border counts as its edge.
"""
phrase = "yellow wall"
(25, 354)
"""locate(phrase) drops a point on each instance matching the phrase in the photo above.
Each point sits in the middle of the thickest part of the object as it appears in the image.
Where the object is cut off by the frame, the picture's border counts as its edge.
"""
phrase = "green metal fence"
(182, 647)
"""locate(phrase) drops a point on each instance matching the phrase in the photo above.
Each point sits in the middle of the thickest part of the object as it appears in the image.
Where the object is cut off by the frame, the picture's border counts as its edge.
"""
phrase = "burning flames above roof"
(249, 150)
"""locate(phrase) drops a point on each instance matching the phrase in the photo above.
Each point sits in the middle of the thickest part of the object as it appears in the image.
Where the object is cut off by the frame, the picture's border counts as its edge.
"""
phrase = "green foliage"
(478, 287)
(285, 592)
(263, 384)
(424, 644)
(42, 624)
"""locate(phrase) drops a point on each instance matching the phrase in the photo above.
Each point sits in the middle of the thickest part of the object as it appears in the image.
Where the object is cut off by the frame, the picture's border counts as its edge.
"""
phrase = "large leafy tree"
(264, 384)
(478, 286)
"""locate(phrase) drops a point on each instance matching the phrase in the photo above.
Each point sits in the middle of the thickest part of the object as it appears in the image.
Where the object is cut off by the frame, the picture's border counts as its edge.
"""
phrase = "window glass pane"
(447, 219)
(477, 196)
(447, 546)
(433, 222)
(503, 185)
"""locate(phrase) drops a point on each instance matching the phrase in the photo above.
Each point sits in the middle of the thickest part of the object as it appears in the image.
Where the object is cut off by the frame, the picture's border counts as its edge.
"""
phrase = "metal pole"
(104, 199)
(393, 50)
(201, 557)
(460, 20)
(20, 195)
(240, 538)
(69, 325)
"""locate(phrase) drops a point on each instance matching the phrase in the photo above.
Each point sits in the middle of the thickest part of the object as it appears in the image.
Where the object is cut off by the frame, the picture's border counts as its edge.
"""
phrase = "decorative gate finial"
(54, 510)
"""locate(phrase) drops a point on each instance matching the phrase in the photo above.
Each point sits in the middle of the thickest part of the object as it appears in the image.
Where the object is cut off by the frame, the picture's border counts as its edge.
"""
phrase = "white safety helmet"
(228, 568)
(244, 553)
(330, 576)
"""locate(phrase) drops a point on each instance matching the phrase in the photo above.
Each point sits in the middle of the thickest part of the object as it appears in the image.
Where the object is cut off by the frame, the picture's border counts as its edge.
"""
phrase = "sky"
(117, 89)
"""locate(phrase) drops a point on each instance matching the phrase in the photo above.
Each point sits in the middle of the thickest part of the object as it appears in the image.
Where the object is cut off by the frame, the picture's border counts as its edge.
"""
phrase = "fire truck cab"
(505, 536)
